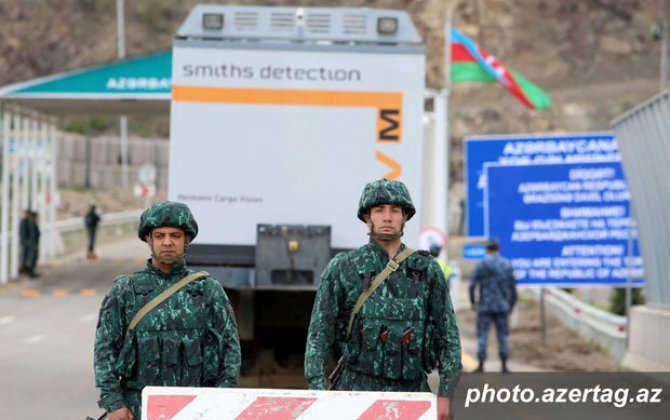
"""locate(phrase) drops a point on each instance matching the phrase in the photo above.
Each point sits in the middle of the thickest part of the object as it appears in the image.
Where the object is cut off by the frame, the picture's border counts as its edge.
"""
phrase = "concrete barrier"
(270, 404)
(649, 344)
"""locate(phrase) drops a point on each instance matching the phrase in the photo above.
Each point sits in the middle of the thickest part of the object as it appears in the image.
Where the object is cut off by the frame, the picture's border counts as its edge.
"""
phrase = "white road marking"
(89, 318)
(34, 339)
(6, 320)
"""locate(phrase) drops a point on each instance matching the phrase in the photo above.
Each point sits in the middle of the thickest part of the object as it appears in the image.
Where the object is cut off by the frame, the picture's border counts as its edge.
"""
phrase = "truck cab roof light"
(212, 21)
(387, 25)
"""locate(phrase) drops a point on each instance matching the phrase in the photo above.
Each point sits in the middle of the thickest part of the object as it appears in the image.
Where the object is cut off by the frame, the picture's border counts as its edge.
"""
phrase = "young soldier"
(403, 328)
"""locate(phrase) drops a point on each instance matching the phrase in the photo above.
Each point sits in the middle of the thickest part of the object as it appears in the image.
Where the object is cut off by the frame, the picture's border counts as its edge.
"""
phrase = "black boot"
(504, 366)
(480, 368)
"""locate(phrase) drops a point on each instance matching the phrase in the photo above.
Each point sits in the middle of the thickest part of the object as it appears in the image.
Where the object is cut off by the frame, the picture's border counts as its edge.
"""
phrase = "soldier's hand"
(443, 408)
(122, 413)
(473, 306)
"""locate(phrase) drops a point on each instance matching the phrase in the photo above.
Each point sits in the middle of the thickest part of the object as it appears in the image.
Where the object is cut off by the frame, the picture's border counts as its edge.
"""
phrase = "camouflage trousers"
(357, 381)
(483, 322)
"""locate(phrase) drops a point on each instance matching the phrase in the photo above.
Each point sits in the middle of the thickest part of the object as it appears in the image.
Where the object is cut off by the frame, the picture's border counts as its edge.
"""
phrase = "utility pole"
(664, 55)
(123, 121)
(660, 32)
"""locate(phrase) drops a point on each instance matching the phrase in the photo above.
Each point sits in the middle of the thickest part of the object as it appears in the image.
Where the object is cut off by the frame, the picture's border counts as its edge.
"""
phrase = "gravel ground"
(564, 350)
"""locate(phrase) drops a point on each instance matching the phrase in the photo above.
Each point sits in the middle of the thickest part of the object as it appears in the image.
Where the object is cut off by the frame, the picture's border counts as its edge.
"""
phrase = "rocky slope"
(596, 58)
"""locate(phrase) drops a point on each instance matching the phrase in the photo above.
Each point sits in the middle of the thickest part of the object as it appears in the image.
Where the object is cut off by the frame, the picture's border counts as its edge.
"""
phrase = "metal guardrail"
(72, 235)
(603, 328)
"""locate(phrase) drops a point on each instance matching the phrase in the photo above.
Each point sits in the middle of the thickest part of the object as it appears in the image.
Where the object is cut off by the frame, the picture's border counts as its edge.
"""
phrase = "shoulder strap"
(162, 296)
(392, 266)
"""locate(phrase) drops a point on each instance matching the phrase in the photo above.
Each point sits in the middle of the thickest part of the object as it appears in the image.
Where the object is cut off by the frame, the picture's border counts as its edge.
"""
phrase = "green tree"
(618, 299)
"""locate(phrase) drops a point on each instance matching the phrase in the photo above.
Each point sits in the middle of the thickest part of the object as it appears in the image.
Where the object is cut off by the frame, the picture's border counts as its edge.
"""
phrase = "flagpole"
(446, 92)
(443, 106)
(442, 146)
(123, 119)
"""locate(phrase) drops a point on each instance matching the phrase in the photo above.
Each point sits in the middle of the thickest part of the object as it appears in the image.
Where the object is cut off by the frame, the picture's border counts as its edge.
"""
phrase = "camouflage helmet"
(385, 191)
(167, 213)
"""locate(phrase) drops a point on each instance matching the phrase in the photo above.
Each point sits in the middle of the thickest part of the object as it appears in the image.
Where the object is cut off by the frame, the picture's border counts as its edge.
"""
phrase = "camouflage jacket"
(189, 340)
(403, 329)
(494, 276)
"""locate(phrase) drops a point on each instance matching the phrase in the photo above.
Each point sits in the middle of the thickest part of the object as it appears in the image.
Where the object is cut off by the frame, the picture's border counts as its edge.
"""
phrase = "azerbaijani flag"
(469, 63)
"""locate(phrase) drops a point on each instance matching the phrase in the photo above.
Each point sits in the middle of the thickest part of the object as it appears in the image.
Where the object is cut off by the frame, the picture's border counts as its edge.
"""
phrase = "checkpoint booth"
(29, 112)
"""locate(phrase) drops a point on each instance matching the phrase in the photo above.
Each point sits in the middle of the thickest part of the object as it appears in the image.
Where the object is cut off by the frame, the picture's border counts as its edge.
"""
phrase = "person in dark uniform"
(91, 221)
(24, 241)
(29, 236)
(494, 277)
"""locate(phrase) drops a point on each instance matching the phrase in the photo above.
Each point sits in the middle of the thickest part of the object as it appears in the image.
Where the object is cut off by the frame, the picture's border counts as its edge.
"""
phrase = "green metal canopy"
(139, 85)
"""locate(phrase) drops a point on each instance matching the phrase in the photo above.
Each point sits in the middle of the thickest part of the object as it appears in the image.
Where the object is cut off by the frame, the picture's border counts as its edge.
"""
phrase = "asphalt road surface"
(47, 328)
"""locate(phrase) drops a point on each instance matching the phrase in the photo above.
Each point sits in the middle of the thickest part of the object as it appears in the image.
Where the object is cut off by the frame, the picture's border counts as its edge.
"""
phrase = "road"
(47, 328)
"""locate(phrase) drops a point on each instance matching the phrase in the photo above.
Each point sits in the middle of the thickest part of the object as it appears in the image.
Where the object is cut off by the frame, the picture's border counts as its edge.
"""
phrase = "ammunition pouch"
(387, 340)
(170, 349)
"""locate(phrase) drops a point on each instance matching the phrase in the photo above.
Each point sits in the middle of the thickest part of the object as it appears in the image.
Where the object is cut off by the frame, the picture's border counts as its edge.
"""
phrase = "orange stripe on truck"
(287, 97)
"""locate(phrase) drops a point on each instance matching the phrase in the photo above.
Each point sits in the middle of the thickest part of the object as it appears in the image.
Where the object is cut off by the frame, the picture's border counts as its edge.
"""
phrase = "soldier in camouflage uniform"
(494, 276)
(189, 340)
(404, 328)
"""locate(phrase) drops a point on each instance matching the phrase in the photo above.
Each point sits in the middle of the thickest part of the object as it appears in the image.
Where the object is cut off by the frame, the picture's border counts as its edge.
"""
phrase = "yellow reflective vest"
(446, 268)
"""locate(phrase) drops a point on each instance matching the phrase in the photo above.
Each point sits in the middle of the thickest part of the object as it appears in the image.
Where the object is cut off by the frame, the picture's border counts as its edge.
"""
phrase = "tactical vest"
(172, 345)
(390, 336)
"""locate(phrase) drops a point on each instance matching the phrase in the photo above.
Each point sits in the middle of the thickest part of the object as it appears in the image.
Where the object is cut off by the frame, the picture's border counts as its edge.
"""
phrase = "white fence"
(69, 235)
(72, 236)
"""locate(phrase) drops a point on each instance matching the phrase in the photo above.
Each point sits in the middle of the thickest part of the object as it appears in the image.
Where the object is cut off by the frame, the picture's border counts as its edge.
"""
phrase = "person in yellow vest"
(446, 268)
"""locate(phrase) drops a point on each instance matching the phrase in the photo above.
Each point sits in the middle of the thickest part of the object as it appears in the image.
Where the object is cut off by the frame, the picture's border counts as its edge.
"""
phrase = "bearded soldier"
(165, 325)
(385, 308)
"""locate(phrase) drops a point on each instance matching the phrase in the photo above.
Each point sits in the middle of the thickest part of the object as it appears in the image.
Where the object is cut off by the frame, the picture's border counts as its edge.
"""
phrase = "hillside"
(596, 58)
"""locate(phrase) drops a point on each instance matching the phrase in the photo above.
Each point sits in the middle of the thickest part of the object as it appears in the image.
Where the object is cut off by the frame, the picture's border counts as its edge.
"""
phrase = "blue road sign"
(474, 252)
(563, 224)
(525, 150)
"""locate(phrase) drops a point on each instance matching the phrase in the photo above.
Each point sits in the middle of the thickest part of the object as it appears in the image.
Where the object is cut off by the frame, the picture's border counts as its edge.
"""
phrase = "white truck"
(279, 117)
